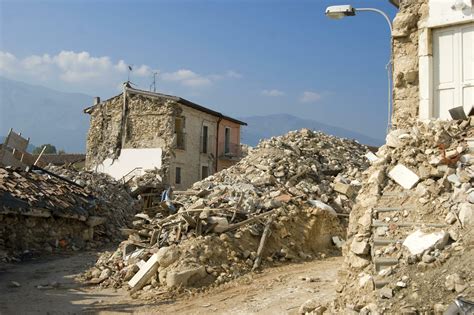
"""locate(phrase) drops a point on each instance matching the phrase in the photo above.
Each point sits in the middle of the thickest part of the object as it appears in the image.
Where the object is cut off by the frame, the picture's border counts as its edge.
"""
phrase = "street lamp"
(337, 12)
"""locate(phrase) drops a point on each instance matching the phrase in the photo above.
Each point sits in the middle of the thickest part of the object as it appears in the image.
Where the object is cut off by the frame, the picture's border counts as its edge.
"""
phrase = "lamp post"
(338, 12)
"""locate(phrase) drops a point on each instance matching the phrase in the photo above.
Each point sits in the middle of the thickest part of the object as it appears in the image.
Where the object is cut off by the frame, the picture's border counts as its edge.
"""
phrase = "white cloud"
(143, 71)
(121, 66)
(310, 97)
(273, 92)
(233, 74)
(192, 79)
(7, 62)
(67, 66)
(187, 77)
(80, 71)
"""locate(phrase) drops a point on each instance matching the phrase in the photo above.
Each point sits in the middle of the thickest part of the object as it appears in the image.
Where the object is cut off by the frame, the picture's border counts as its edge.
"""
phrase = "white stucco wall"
(130, 159)
(441, 13)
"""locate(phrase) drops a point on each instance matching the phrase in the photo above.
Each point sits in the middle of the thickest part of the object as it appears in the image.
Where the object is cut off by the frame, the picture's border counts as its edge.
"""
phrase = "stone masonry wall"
(148, 123)
(103, 137)
(406, 32)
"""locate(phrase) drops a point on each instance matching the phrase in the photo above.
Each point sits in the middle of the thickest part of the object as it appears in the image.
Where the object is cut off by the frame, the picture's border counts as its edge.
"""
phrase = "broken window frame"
(177, 177)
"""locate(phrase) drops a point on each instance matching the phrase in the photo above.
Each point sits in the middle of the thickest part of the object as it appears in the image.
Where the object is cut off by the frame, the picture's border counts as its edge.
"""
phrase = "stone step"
(393, 209)
(396, 194)
(386, 241)
(378, 223)
(382, 262)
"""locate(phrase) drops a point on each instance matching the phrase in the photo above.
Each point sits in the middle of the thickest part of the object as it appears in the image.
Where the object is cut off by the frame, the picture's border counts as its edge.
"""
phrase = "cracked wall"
(146, 122)
(406, 32)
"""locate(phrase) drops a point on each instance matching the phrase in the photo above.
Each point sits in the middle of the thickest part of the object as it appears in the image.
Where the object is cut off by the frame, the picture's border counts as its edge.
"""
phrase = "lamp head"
(459, 5)
(337, 12)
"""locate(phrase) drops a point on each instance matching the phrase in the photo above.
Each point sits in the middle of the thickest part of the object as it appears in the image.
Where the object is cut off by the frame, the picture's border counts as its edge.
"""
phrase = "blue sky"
(242, 58)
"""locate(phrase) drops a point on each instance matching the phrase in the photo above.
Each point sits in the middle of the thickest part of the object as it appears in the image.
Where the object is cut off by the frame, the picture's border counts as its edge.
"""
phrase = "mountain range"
(45, 115)
(49, 116)
(263, 127)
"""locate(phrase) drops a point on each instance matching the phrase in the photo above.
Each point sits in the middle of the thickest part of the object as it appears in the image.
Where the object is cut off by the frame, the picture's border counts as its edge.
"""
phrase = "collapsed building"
(410, 241)
(287, 201)
(45, 207)
(41, 212)
(180, 141)
(13, 151)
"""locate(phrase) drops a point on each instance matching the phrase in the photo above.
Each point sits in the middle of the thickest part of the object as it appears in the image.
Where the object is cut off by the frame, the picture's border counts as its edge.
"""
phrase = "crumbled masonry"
(411, 250)
(263, 203)
(41, 213)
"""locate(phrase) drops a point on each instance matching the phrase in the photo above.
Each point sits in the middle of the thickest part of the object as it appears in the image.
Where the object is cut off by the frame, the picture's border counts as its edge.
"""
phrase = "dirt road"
(48, 286)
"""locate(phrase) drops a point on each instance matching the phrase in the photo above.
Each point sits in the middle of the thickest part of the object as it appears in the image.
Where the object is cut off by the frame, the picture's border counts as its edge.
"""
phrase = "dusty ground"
(47, 286)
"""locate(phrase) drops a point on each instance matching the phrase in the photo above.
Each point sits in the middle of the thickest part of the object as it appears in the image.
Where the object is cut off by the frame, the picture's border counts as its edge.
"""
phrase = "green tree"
(50, 149)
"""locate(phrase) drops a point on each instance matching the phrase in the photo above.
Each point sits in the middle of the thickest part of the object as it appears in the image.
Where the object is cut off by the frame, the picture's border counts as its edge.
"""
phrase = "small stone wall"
(20, 233)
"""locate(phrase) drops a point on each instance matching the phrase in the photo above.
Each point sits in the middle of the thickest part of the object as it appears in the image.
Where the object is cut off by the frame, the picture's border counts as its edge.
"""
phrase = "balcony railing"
(180, 140)
(229, 150)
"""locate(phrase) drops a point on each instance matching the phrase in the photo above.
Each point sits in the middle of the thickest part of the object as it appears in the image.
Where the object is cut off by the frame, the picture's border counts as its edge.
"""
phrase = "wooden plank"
(144, 274)
(253, 219)
(261, 246)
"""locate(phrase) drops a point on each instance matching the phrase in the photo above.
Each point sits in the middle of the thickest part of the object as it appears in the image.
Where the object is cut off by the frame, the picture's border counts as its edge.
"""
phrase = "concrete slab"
(403, 176)
(145, 273)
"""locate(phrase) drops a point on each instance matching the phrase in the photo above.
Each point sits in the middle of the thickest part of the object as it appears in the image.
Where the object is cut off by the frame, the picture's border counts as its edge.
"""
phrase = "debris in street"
(409, 230)
(278, 204)
(41, 212)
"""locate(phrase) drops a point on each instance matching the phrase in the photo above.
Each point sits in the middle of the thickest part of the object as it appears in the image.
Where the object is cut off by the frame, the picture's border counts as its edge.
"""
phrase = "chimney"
(96, 100)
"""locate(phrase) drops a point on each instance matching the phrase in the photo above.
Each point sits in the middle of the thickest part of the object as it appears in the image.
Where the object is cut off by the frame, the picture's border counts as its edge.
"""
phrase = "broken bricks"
(215, 236)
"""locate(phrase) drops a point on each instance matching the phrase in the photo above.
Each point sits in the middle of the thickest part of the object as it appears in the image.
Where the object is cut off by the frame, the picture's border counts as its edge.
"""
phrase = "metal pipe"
(379, 12)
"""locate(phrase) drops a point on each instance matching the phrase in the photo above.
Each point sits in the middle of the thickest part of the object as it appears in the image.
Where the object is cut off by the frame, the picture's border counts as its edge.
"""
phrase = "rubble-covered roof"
(176, 99)
(61, 159)
(35, 194)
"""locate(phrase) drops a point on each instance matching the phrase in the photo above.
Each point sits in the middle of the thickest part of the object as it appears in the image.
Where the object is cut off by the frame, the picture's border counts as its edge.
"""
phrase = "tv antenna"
(154, 82)
(130, 69)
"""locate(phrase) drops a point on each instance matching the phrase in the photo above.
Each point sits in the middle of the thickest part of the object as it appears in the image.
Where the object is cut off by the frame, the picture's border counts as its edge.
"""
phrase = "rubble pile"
(44, 213)
(112, 198)
(286, 201)
(410, 237)
(149, 180)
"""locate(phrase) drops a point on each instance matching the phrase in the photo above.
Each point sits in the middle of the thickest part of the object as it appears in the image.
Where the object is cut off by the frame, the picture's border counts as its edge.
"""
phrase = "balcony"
(229, 151)
(180, 140)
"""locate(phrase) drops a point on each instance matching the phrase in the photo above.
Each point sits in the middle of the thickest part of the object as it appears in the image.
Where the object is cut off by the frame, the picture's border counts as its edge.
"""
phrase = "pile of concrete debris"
(410, 239)
(113, 199)
(41, 212)
(286, 201)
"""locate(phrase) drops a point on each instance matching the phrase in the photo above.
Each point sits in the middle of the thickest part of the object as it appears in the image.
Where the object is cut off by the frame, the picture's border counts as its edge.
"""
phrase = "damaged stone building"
(433, 59)
(139, 130)
(420, 183)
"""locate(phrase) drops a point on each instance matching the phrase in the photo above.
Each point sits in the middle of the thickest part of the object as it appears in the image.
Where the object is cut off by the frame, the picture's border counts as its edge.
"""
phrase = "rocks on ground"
(283, 202)
(410, 235)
